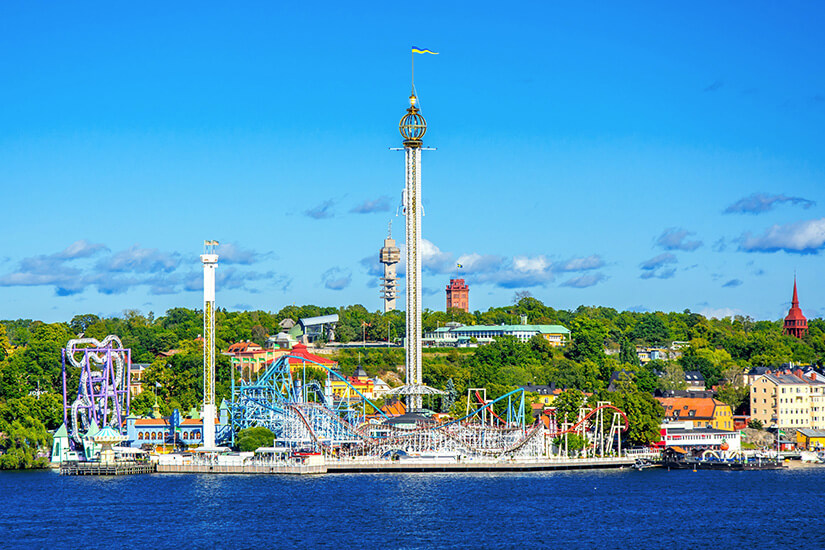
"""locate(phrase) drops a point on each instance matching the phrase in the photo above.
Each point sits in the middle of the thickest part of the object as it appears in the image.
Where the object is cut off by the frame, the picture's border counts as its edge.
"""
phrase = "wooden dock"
(106, 469)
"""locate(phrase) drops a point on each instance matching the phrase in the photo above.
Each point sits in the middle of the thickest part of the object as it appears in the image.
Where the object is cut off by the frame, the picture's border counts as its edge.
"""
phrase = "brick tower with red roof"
(795, 323)
(458, 295)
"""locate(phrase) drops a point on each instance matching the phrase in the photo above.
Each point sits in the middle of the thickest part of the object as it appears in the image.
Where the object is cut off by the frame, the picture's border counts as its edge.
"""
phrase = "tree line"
(601, 350)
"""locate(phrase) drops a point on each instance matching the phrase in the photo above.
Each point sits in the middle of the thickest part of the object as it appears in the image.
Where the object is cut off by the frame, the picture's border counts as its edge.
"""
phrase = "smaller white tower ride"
(210, 263)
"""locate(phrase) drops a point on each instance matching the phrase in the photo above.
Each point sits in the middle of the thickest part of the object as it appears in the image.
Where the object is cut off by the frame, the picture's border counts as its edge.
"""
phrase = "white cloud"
(675, 238)
(805, 237)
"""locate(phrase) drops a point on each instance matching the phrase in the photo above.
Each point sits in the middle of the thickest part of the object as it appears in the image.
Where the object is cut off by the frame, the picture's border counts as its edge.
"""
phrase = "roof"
(785, 379)
(191, 422)
(410, 418)
(542, 390)
(61, 431)
(394, 408)
(244, 346)
(810, 432)
(541, 329)
(702, 431)
(321, 320)
(693, 408)
(151, 422)
(694, 376)
(301, 351)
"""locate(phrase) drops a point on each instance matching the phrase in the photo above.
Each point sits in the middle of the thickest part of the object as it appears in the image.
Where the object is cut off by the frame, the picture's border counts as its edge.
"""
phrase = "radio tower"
(389, 256)
(210, 263)
(412, 128)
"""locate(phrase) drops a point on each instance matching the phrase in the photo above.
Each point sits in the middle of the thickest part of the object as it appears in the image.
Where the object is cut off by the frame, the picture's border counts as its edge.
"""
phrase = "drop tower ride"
(210, 263)
(412, 128)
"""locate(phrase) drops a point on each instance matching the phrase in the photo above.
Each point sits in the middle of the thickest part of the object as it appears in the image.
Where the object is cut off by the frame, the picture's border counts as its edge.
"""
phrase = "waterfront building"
(795, 322)
(60, 445)
(810, 439)
(684, 435)
(788, 400)
(458, 295)
(156, 431)
(455, 334)
(701, 412)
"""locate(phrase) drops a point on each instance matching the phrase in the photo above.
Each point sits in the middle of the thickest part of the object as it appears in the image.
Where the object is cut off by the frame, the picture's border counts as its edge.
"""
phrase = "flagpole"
(412, 73)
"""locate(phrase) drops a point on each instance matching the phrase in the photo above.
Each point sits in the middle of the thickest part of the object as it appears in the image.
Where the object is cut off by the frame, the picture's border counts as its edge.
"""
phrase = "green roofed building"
(455, 334)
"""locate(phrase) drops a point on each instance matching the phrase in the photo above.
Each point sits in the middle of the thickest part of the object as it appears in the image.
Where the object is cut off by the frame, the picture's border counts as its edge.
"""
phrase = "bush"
(253, 438)
(755, 424)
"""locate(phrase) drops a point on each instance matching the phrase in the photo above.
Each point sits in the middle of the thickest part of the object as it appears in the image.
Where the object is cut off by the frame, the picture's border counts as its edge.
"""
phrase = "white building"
(683, 434)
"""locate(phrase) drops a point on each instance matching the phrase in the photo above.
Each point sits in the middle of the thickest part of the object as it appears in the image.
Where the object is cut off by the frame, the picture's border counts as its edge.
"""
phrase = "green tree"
(567, 406)
(250, 439)
(588, 340)
(627, 354)
(673, 377)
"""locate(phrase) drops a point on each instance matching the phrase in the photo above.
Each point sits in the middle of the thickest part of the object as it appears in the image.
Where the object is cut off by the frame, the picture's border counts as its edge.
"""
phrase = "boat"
(677, 458)
(811, 457)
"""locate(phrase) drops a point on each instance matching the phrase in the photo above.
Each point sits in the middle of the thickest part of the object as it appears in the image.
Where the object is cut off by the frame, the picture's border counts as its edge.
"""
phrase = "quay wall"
(344, 466)
(240, 469)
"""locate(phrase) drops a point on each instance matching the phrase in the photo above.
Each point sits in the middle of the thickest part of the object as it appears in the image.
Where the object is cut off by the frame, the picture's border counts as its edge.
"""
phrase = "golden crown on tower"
(412, 125)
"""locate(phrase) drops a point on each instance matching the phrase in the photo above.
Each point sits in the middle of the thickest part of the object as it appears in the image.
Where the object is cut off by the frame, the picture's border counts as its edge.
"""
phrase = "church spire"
(795, 322)
(795, 299)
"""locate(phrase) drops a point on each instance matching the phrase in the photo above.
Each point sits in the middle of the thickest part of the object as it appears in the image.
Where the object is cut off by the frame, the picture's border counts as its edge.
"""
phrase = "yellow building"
(788, 401)
(702, 412)
(810, 439)
(359, 380)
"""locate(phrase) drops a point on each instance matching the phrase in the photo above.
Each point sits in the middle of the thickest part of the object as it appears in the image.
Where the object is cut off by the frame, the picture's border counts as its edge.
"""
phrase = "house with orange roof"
(249, 358)
(702, 412)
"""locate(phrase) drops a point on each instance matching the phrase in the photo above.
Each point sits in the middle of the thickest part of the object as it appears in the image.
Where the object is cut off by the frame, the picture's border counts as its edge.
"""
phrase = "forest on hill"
(603, 342)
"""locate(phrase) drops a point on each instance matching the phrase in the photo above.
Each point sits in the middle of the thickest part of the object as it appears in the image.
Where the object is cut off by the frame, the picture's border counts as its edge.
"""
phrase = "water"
(611, 509)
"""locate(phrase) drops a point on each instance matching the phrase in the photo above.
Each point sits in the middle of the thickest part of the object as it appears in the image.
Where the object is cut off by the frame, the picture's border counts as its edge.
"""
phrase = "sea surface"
(593, 509)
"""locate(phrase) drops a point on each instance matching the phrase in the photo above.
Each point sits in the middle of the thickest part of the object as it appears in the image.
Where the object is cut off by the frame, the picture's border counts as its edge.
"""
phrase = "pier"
(106, 469)
(399, 466)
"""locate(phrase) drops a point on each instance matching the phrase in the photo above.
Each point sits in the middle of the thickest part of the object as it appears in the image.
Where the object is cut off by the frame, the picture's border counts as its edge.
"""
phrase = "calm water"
(616, 509)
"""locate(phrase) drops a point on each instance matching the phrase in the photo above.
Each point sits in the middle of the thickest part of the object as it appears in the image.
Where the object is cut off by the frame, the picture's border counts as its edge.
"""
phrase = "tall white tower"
(389, 256)
(210, 263)
(412, 128)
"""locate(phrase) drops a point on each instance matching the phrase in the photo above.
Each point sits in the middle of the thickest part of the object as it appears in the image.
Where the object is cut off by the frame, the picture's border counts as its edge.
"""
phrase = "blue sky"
(637, 156)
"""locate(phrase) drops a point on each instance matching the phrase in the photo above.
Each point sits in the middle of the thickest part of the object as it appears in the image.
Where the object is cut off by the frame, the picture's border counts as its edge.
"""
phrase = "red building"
(458, 295)
(795, 323)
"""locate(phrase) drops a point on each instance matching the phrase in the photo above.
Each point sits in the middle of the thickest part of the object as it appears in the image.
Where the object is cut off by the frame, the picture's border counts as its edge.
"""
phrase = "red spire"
(795, 322)
(795, 299)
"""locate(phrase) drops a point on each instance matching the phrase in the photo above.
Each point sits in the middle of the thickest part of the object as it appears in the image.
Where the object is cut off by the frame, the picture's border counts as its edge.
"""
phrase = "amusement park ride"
(103, 388)
(307, 416)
